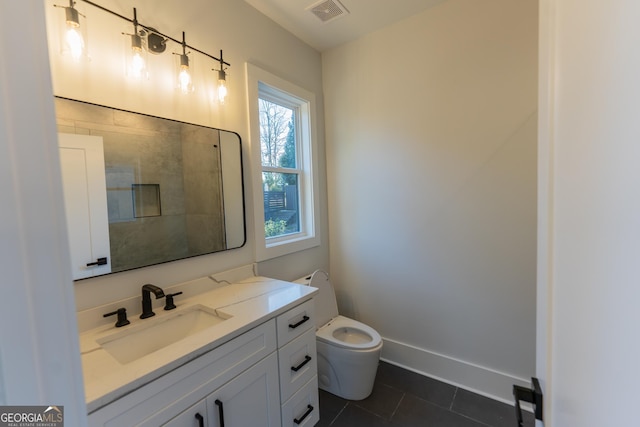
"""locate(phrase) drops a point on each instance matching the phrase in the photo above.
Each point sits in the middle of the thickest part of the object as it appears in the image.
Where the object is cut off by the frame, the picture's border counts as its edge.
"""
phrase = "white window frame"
(303, 101)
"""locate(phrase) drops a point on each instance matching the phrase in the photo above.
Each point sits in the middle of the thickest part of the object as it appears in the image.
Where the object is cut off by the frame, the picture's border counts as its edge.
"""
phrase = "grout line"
(455, 393)
(338, 414)
(393, 413)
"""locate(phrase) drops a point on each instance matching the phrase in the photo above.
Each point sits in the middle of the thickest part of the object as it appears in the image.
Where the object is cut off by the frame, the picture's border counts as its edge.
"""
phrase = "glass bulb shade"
(137, 64)
(222, 86)
(74, 42)
(185, 79)
(222, 91)
(73, 39)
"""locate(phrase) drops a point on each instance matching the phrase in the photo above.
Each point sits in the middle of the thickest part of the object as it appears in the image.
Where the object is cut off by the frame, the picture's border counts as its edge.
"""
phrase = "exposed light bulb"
(185, 84)
(137, 65)
(184, 77)
(73, 40)
(222, 81)
(222, 86)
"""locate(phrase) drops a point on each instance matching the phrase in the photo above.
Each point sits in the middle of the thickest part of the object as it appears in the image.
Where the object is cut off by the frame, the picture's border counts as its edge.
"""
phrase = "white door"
(250, 399)
(85, 197)
(588, 355)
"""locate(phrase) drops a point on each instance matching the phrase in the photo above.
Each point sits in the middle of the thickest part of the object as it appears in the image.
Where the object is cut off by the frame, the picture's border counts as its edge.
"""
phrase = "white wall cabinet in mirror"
(85, 200)
(173, 190)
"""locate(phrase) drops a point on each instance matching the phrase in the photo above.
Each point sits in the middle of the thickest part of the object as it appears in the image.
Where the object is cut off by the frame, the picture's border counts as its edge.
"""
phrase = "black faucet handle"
(169, 305)
(122, 317)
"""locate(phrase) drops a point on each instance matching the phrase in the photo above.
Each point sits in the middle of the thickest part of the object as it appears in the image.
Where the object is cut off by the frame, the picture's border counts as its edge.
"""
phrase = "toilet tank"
(326, 307)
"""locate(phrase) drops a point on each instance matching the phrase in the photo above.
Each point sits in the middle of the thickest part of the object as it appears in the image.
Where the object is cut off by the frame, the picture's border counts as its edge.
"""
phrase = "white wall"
(245, 35)
(39, 351)
(431, 156)
(590, 148)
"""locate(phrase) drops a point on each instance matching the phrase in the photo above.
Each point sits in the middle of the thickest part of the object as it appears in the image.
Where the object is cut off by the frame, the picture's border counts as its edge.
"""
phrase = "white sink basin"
(156, 333)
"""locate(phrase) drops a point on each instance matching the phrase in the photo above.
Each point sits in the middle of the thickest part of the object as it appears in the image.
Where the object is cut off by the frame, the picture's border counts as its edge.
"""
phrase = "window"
(282, 145)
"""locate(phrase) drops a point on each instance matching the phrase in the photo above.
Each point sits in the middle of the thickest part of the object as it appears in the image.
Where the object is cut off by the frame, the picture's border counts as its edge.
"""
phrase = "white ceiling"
(364, 16)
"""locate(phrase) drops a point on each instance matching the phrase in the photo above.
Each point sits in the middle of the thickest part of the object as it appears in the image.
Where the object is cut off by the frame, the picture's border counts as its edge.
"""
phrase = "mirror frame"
(60, 124)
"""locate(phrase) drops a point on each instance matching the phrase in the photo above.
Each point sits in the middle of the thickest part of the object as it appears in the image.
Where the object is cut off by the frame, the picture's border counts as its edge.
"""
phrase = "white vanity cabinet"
(298, 366)
(255, 379)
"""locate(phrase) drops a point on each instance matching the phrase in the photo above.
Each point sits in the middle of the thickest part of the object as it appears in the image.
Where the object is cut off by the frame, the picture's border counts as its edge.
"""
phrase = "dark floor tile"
(330, 407)
(415, 412)
(426, 388)
(488, 411)
(383, 400)
(354, 416)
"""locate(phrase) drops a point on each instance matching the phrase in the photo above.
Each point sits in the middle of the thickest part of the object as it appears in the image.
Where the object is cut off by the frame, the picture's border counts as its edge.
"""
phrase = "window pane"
(281, 207)
(277, 135)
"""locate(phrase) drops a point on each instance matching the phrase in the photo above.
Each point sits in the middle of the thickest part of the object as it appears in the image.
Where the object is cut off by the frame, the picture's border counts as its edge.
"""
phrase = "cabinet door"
(85, 199)
(195, 416)
(250, 399)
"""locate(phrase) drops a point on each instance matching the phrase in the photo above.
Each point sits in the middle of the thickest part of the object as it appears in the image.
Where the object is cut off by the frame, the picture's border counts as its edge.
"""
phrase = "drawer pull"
(305, 415)
(218, 403)
(200, 419)
(99, 261)
(307, 358)
(304, 319)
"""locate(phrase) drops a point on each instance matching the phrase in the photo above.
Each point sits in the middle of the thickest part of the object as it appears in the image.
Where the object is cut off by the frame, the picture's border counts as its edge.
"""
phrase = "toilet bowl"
(348, 350)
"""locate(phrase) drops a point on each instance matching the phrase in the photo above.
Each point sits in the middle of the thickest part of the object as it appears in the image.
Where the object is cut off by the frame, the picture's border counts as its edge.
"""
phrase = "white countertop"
(247, 303)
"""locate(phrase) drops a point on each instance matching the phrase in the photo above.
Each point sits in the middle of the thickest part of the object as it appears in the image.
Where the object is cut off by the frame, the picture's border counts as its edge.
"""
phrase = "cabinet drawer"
(295, 322)
(298, 363)
(302, 409)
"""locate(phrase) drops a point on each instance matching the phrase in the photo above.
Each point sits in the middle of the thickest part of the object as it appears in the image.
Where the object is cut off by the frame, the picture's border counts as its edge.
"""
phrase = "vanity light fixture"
(185, 82)
(143, 40)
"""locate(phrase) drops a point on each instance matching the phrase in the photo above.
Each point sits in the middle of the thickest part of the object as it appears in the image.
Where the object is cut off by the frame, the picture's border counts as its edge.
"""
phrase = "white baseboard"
(469, 376)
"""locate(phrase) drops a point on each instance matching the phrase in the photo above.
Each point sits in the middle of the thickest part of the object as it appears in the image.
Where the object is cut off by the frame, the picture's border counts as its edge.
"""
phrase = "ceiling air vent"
(328, 10)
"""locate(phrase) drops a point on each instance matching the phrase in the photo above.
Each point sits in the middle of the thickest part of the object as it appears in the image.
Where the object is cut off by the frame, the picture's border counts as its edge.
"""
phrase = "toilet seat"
(349, 333)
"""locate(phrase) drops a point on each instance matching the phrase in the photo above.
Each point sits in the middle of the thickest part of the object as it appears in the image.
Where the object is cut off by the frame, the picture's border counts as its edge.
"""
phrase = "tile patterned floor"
(403, 398)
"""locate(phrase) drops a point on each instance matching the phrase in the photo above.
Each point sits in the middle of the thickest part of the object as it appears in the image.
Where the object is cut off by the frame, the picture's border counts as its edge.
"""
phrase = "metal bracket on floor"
(531, 395)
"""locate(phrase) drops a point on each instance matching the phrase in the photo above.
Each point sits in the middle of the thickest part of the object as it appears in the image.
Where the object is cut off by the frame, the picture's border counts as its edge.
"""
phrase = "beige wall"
(431, 157)
(245, 35)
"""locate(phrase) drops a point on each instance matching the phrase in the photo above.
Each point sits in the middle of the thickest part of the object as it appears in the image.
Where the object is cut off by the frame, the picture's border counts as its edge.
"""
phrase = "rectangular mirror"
(143, 190)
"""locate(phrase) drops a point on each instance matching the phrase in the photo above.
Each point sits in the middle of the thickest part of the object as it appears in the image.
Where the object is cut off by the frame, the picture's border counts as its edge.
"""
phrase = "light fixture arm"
(135, 22)
(221, 61)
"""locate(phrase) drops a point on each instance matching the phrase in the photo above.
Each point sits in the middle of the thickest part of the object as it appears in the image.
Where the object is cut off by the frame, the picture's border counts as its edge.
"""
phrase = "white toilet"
(348, 351)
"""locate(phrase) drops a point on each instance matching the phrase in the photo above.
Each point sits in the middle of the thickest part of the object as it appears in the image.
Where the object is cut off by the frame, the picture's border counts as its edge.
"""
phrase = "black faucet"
(146, 299)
